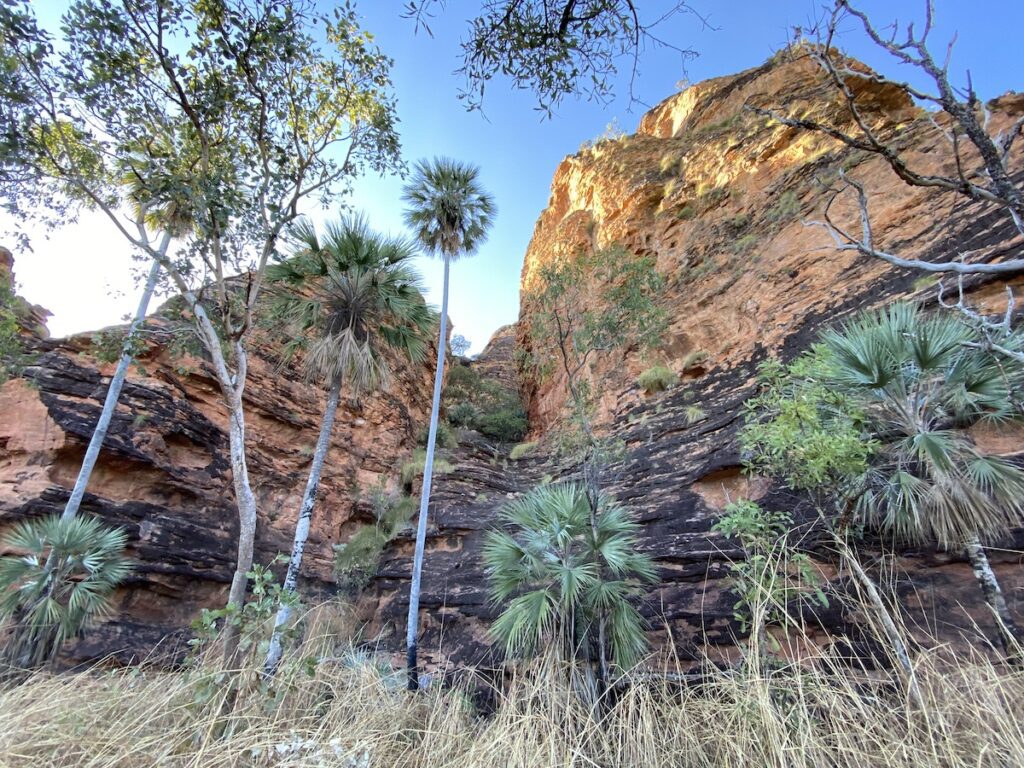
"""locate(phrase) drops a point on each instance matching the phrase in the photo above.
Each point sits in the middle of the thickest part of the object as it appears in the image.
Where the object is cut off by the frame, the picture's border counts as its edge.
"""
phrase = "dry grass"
(352, 712)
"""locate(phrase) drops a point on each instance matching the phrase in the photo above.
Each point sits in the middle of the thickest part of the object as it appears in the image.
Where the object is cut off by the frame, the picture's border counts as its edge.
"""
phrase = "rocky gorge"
(725, 200)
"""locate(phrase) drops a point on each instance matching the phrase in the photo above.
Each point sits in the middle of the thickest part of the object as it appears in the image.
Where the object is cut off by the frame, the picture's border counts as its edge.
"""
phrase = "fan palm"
(561, 575)
(919, 382)
(61, 577)
(358, 297)
(450, 213)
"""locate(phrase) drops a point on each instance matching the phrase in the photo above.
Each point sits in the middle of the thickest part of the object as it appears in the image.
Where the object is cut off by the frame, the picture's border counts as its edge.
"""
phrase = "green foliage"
(345, 300)
(771, 573)
(522, 450)
(553, 49)
(657, 379)
(356, 561)
(446, 436)
(507, 424)
(447, 209)
(743, 244)
(413, 468)
(786, 207)
(107, 346)
(11, 348)
(694, 413)
(60, 577)
(593, 302)
(559, 577)
(878, 413)
(463, 414)
(484, 405)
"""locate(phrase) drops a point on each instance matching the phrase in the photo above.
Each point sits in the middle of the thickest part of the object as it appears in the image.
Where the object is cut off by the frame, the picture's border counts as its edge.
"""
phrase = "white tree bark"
(99, 433)
(284, 612)
(428, 474)
(1009, 634)
(889, 628)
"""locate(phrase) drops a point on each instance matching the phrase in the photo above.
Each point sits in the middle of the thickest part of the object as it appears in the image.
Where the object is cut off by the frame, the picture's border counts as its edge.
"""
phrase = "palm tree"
(62, 576)
(920, 381)
(563, 576)
(357, 293)
(450, 213)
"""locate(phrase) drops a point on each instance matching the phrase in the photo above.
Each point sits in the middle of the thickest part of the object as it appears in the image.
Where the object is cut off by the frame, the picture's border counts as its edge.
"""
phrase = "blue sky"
(83, 272)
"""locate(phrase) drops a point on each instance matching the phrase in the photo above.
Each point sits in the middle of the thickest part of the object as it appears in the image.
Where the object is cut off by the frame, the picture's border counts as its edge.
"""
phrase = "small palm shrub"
(657, 379)
(563, 580)
(62, 577)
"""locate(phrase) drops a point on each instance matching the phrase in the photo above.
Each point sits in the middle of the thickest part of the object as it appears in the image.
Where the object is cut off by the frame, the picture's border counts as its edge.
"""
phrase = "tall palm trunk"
(428, 474)
(99, 433)
(1009, 632)
(323, 443)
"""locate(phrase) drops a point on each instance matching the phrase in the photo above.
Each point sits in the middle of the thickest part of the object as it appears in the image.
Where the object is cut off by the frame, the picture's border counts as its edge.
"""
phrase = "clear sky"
(83, 273)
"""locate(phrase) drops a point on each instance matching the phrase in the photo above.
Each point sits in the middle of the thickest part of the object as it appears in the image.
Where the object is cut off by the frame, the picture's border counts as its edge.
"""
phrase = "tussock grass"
(352, 711)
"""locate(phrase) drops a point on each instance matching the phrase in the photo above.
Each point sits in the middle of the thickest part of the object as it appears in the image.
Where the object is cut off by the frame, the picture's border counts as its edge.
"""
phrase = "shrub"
(694, 413)
(63, 580)
(786, 207)
(509, 425)
(657, 379)
(463, 414)
(522, 450)
(446, 437)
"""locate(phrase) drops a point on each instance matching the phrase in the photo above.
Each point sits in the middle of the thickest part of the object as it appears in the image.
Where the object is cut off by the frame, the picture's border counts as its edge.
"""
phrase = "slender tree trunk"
(284, 612)
(892, 633)
(428, 474)
(1009, 632)
(92, 453)
(246, 500)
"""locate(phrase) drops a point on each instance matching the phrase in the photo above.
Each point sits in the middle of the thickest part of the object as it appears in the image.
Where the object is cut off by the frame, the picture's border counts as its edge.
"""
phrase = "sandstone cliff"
(721, 198)
(164, 473)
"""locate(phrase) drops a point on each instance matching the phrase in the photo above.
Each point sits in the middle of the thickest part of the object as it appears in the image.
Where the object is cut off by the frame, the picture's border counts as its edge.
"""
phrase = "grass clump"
(413, 468)
(657, 379)
(695, 358)
(522, 450)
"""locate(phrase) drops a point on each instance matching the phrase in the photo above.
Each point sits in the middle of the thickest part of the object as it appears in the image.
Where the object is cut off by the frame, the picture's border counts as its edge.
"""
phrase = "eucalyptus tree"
(350, 302)
(449, 213)
(265, 104)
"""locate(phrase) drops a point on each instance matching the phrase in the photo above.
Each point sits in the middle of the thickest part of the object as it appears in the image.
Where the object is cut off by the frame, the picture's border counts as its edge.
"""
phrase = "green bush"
(657, 379)
(463, 414)
(446, 437)
(522, 450)
(357, 560)
(509, 425)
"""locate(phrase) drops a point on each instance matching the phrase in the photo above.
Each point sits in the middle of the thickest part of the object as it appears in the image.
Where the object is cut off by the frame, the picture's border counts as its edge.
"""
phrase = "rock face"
(164, 473)
(721, 199)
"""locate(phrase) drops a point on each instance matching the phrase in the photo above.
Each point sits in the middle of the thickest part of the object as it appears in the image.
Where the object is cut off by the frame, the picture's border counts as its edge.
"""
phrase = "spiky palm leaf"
(446, 208)
(920, 382)
(548, 570)
(348, 297)
(61, 578)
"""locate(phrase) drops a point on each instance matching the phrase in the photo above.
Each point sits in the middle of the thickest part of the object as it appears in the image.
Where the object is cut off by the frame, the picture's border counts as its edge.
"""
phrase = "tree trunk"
(428, 474)
(892, 633)
(284, 612)
(246, 500)
(99, 433)
(1009, 632)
